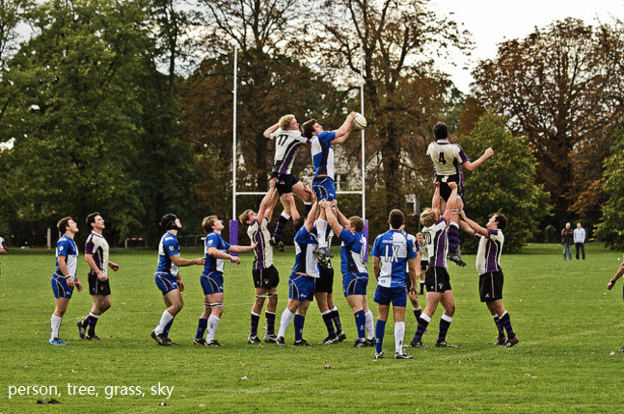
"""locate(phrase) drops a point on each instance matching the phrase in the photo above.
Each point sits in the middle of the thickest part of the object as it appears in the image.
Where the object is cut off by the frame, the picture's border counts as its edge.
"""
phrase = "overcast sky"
(493, 21)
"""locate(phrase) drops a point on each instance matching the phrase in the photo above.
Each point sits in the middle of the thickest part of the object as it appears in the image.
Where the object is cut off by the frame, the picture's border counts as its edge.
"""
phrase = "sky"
(494, 21)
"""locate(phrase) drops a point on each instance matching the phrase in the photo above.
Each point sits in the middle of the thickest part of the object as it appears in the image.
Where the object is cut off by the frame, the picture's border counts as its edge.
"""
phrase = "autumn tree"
(558, 91)
(398, 40)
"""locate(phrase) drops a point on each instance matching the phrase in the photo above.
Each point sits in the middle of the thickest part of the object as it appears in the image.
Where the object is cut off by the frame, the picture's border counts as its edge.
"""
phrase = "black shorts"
(325, 283)
(97, 287)
(491, 286)
(437, 280)
(285, 182)
(445, 190)
(266, 278)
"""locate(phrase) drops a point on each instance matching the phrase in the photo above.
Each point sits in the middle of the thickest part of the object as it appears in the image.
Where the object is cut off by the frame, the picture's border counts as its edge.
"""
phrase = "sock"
(453, 237)
(370, 324)
(93, 318)
(360, 323)
(284, 322)
(167, 328)
(298, 323)
(422, 287)
(380, 329)
(499, 326)
(336, 318)
(506, 322)
(329, 324)
(164, 321)
(417, 312)
(321, 231)
(201, 328)
(211, 330)
(281, 224)
(55, 324)
(255, 318)
(270, 319)
(423, 322)
(445, 322)
(399, 334)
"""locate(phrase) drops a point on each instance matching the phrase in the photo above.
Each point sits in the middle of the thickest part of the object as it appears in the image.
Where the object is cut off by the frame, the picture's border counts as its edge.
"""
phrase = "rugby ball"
(359, 122)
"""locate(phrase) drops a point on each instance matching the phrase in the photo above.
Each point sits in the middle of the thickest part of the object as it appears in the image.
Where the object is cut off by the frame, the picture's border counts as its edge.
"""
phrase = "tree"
(505, 183)
(557, 89)
(394, 37)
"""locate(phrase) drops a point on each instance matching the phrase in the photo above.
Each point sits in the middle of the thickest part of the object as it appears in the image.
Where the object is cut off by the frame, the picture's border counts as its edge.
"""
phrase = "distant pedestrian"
(579, 240)
(567, 239)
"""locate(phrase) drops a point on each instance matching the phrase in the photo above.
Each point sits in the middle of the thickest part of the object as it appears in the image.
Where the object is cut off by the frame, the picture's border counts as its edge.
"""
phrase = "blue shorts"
(301, 287)
(166, 282)
(212, 283)
(60, 287)
(353, 284)
(397, 296)
(324, 188)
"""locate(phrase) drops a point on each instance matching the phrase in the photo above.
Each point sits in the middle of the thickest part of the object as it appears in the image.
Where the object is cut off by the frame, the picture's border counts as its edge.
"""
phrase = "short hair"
(284, 122)
(440, 130)
(167, 221)
(357, 223)
(308, 127)
(427, 217)
(208, 223)
(396, 218)
(245, 216)
(91, 219)
(63, 224)
(501, 220)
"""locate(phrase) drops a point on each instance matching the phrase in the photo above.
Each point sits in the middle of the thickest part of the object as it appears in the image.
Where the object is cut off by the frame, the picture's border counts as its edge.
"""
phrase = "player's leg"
(448, 302)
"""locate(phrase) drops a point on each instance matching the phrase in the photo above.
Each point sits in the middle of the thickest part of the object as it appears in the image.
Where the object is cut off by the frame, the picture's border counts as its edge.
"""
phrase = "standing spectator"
(579, 240)
(567, 238)
(3, 250)
(96, 255)
(64, 278)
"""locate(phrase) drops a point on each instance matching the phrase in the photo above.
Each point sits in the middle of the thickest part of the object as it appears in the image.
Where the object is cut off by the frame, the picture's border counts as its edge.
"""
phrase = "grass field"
(567, 323)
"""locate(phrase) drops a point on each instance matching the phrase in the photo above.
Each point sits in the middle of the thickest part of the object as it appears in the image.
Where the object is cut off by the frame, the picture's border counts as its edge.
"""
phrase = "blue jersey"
(212, 263)
(67, 247)
(168, 247)
(305, 261)
(394, 249)
(353, 253)
(323, 154)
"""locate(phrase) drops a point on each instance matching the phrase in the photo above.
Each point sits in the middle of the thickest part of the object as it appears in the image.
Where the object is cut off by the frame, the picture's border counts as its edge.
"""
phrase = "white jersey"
(264, 252)
(98, 247)
(286, 144)
(489, 252)
(447, 158)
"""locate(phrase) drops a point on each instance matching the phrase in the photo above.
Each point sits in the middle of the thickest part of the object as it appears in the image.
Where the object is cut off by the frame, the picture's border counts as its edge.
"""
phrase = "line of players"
(396, 257)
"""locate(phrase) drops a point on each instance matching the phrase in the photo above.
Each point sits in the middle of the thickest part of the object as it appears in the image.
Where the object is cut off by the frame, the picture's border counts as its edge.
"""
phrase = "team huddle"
(403, 264)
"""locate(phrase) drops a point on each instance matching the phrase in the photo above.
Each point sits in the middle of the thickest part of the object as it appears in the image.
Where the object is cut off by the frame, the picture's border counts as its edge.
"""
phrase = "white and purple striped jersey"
(66, 246)
(286, 144)
(323, 153)
(264, 252)
(305, 261)
(394, 249)
(353, 253)
(98, 247)
(447, 158)
(489, 252)
(214, 264)
(437, 243)
(168, 247)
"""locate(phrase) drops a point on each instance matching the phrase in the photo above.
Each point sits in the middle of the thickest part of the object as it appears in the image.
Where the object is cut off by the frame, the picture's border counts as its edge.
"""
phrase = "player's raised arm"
(471, 166)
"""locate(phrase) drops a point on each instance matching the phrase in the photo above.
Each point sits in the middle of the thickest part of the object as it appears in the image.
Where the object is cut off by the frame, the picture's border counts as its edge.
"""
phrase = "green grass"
(567, 322)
